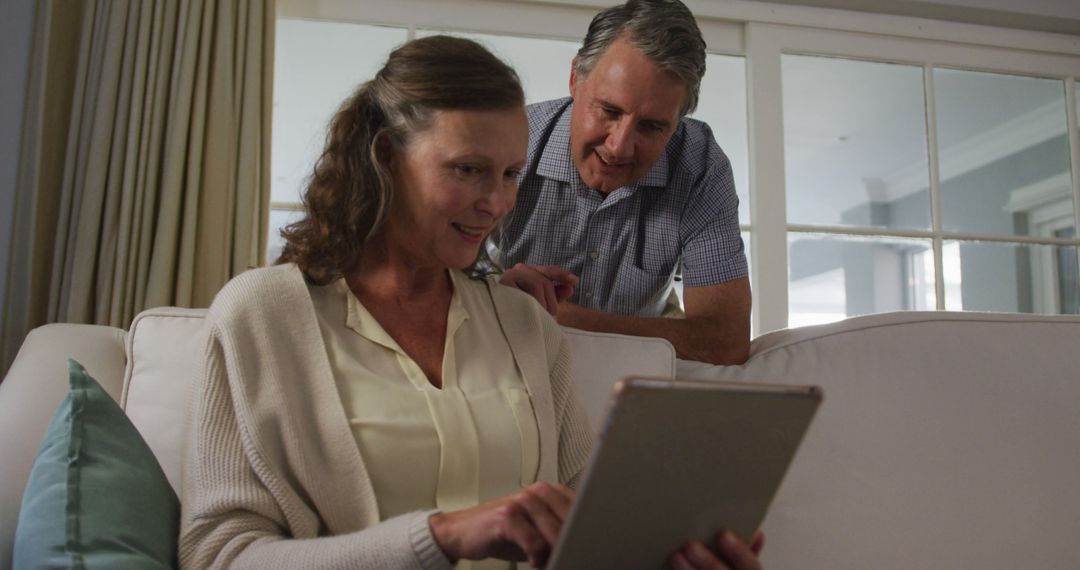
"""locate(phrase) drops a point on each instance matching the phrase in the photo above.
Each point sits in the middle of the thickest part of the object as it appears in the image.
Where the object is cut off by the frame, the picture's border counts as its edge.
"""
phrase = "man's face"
(625, 111)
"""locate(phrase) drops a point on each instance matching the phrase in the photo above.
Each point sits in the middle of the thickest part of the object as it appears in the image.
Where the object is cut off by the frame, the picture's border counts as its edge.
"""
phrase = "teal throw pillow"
(97, 497)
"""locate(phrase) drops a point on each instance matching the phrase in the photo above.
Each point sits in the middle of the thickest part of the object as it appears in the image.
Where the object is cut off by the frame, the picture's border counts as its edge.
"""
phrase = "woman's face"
(453, 182)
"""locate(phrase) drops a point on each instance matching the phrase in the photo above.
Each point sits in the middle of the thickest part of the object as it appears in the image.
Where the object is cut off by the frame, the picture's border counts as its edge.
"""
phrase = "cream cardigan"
(273, 477)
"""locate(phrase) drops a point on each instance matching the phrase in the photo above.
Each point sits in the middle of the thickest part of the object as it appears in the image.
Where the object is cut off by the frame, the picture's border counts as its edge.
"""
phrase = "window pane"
(833, 277)
(855, 143)
(1004, 153)
(1015, 278)
(723, 106)
(279, 218)
(316, 65)
(543, 65)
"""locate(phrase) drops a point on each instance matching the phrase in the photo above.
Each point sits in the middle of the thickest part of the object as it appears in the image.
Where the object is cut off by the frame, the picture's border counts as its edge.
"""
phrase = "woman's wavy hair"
(349, 193)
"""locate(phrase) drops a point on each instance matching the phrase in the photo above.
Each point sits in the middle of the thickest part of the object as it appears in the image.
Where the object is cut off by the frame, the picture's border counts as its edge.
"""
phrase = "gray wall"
(16, 27)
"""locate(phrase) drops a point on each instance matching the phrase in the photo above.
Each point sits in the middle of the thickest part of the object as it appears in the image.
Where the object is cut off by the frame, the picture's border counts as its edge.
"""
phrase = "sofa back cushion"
(165, 346)
(601, 359)
(945, 440)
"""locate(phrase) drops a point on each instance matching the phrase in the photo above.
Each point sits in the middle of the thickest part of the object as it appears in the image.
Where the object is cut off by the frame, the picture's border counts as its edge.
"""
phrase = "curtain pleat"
(144, 169)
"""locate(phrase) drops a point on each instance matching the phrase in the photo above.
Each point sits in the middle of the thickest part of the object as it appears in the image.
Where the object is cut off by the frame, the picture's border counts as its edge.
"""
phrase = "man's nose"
(620, 139)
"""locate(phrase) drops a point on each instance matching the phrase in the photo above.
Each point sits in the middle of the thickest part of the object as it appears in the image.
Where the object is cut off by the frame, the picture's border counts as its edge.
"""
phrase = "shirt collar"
(557, 158)
(361, 321)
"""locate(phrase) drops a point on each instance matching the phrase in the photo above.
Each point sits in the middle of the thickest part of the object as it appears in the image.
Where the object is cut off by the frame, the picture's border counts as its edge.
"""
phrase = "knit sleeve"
(575, 436)
(231, 513)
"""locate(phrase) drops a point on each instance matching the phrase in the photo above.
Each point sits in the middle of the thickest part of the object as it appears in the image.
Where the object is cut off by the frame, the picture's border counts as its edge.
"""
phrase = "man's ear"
(573, 76)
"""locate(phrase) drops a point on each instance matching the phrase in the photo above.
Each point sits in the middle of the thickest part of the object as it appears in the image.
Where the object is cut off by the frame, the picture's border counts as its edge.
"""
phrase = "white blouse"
(473, 440)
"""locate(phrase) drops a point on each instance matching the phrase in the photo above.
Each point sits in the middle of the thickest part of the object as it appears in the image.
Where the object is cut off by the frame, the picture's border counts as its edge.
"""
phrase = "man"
(621, 191)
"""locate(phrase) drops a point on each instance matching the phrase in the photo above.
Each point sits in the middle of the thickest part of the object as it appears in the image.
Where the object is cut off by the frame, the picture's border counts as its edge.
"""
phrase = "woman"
(372, 401)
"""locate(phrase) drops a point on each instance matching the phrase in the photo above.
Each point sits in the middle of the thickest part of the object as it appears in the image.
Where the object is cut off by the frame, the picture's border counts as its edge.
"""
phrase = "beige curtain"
(144, 169)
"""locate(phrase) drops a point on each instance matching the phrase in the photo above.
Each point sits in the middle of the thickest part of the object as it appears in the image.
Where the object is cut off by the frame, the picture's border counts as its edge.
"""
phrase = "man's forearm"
(698, 338)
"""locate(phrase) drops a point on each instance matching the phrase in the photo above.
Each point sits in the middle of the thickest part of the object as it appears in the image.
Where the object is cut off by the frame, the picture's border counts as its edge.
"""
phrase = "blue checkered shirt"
(625, 247)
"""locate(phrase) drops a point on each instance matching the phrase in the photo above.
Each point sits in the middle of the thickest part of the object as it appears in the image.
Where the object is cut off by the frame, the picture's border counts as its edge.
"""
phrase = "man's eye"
(513, 173)
(609, 112)
(466, 170)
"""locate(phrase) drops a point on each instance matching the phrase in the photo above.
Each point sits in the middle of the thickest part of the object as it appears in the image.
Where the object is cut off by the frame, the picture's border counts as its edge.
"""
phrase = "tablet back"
(678, 461)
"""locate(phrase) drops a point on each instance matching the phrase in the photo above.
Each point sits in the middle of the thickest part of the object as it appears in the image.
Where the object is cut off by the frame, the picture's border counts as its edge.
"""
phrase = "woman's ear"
(385, 149)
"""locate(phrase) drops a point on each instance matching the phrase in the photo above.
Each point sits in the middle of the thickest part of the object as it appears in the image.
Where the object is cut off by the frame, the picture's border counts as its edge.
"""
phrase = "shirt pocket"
(637, 292)
(525, 418)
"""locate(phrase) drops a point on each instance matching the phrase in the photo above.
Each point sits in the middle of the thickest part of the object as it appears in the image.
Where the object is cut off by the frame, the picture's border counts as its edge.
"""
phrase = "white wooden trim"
(768, 211)
(1050, 190)
(557, 20)
(1073, 117)
(759, 12)
(1027, 130)
(915, 234)
(938, 245)
(528, 19)
(940, 53)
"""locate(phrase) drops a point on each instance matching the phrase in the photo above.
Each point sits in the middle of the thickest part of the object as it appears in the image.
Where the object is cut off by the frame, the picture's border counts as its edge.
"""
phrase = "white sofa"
(946, 440)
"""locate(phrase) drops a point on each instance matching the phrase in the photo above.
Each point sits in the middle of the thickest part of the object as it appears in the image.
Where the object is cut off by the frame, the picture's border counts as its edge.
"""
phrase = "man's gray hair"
(664, 30)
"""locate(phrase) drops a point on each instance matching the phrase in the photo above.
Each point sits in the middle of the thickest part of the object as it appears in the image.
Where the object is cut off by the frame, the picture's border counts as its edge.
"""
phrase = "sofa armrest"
(30, 393)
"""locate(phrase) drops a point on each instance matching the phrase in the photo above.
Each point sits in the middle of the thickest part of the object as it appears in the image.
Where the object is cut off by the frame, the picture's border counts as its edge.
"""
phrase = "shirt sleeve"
(712, 251)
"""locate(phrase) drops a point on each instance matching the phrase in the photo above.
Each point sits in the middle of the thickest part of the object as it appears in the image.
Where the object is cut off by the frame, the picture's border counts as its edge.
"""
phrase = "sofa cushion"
(165, 346)
(601, 359)
(97, 497)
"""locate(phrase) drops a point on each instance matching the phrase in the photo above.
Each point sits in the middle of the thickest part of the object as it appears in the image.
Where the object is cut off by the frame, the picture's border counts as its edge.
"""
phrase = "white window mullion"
(1074, 147)
(935, 185)
(768, 212)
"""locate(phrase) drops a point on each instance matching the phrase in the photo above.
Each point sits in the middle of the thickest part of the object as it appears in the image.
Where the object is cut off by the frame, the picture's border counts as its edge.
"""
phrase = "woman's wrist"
(440, 531)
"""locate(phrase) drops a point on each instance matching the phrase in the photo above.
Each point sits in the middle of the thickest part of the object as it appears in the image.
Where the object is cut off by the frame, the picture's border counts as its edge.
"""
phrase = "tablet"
(680, 460)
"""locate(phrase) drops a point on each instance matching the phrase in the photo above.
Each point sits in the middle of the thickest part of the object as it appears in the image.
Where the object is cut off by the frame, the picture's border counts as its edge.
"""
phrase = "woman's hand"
(521, 527)
(735, 554)
(548, 284)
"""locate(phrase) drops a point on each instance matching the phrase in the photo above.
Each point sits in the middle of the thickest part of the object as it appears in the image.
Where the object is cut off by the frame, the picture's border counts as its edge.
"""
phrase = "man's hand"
(520, 527)
(548, 284)
(734, 554)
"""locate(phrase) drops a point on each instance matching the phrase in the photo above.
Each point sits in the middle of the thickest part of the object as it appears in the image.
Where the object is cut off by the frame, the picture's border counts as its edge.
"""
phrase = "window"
(912, 185)
(856, 152)
(317, 64)
(879, 167)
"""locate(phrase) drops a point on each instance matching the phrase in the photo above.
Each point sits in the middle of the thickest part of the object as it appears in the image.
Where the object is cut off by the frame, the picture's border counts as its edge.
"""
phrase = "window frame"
(769, 229)
(762, 33)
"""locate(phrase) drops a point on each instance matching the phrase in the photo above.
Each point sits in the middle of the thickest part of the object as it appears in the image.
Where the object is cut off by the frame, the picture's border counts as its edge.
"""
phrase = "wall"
(16, 28)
